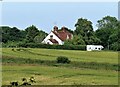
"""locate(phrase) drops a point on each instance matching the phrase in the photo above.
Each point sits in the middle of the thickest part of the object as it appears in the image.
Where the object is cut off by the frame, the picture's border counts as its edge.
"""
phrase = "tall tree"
(107, 29)
(107, 22)
(114, 40)
(31, 31)
(84, 29)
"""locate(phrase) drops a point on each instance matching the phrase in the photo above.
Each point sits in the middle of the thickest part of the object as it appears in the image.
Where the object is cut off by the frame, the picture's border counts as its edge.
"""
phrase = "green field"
(86, 68)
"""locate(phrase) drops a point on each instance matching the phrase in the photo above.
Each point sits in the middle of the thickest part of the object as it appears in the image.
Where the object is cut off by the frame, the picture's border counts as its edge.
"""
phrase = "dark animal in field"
(14, 83)
(25, 82)
(24, 79)
(13, 50)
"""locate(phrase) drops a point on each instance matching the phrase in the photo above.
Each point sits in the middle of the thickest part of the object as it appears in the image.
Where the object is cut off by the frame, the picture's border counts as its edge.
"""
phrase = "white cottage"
(57, 36)
(94, 47)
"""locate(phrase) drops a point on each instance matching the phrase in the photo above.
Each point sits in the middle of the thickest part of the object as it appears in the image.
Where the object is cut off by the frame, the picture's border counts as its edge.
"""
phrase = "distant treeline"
(107, 34)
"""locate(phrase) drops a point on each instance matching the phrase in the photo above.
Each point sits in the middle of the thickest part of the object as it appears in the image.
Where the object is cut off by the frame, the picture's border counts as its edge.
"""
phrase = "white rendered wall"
(54, 37)
(48, 41)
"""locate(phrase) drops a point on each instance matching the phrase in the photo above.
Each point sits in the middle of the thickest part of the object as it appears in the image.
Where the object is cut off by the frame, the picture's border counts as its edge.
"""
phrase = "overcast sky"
(44, 15)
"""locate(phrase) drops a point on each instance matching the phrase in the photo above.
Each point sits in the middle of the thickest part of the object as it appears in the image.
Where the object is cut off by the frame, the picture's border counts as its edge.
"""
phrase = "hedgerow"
(65, 47)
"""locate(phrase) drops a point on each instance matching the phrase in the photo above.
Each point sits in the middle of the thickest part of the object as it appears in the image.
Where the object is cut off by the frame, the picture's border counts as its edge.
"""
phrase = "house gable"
(60, 42)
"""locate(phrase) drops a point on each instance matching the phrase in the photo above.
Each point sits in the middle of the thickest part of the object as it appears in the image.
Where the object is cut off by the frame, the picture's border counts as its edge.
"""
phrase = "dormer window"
(51, 36)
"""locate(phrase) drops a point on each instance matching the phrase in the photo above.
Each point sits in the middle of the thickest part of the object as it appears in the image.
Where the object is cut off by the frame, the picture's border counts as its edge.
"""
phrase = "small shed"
(94, 47)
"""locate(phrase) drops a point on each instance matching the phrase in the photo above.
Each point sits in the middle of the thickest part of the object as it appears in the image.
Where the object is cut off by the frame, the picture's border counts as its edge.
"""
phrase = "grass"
(86, 68)
(51, 54)
(47, 75)
(89, 65)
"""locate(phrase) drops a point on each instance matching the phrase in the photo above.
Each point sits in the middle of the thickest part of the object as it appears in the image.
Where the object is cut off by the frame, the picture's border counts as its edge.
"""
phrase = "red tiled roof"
(54, 41)
(63, 34)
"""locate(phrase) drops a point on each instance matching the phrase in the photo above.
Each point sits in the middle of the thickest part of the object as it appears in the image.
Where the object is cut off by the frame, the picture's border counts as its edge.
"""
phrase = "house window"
(51, 36)
(48, 43)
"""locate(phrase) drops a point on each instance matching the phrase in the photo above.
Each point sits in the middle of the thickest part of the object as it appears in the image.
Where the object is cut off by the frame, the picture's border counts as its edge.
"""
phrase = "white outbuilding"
(94, 47)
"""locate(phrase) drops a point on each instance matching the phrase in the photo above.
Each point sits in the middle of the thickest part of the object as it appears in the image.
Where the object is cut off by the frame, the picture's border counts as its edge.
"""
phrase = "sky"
(45, 15)
(119, 10)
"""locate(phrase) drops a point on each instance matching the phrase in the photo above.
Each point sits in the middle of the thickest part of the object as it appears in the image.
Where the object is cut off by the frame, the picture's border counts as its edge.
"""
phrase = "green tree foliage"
(39, 38)
(108, 31)
(77, 40)
(107, 22)
(114, 39)
(11, 34)
(83, 27)
(31, 31)
(85, 33)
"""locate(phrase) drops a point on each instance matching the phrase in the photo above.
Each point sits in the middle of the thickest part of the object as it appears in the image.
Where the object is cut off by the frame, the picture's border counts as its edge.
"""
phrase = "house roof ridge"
(57, 35)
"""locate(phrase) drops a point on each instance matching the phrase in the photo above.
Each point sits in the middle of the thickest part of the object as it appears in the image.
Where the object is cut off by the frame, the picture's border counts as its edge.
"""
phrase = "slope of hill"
(86, 68)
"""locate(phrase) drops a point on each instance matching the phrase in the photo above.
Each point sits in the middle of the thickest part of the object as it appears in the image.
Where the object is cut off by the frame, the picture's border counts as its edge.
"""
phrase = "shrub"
(63, 59)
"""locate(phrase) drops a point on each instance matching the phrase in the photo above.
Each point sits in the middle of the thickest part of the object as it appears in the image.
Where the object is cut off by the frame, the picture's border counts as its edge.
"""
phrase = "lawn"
(64, 74)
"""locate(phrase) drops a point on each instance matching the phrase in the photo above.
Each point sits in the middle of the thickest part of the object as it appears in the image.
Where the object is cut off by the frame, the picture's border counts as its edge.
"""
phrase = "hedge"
(66, 47)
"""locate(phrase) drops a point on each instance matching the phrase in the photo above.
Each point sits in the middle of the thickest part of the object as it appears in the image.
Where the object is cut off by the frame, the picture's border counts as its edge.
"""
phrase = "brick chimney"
(63, 29)
(55, 29)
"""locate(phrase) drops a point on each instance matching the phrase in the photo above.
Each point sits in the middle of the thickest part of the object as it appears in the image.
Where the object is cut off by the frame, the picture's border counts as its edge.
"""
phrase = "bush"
(62, 59)
(66, 47)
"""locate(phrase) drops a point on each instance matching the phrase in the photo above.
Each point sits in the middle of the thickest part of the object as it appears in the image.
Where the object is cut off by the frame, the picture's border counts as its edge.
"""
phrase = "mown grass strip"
(73, 64)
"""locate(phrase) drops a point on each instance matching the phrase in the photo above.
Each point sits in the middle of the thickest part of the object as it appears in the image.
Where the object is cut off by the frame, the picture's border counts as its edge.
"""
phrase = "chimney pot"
(55, 28)
(64, 29)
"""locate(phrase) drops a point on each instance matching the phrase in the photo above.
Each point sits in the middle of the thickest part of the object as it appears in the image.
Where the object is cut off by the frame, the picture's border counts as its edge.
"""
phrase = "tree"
(11, 34)
(114, 40)
(83, 27)
(84, 30)
(107, 31)
(107, 22)
(39, 38)
(31, 31)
